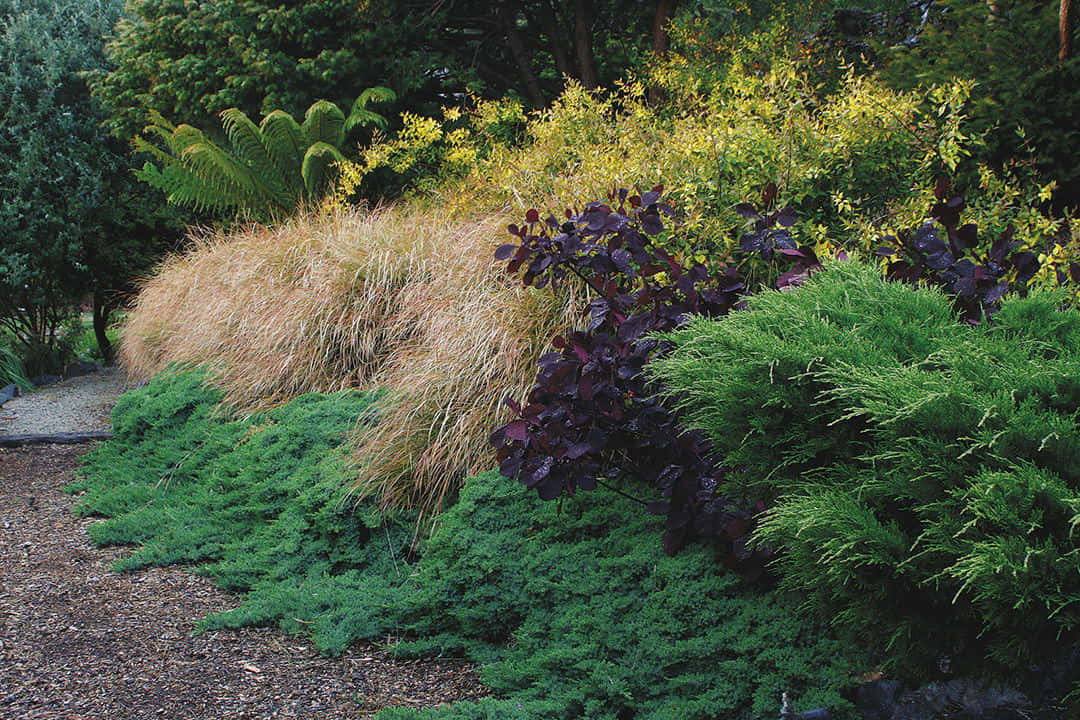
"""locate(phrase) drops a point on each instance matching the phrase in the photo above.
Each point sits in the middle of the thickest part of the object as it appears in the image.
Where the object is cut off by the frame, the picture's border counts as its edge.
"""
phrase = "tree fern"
(360, 116)
(269, 168)
(324, 122)
(285, 144)
(319, 162)
(251, 149)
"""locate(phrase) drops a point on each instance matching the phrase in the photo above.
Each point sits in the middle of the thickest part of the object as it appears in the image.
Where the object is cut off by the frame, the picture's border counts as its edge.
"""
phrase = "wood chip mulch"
(81, 642)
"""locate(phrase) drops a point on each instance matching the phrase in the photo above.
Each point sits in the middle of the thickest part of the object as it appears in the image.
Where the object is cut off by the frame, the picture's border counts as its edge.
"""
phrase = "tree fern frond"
(158, 122)
(219, 171)
(320, 164)
(324, 122)
(250, 149)
(183, 187)
(376, 94)
(150, 174)
(142, 145)
(185, 136)
(360, 116)
(286, 144)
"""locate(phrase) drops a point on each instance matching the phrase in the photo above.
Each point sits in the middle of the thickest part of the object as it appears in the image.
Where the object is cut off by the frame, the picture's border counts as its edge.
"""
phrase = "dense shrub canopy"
(923, 474)
(72, 220)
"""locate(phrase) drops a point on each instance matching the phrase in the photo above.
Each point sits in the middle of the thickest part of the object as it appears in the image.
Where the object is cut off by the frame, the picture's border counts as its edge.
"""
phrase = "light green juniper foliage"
(271, 168)
(574, 612)
(923, 474)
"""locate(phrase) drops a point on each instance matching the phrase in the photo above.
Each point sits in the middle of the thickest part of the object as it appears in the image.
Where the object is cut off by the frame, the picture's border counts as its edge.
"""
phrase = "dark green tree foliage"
(189, 61)
(924, 475)
(50, 169)
(574, 612)
(532, 46)
(1012, 49)
(71, 222)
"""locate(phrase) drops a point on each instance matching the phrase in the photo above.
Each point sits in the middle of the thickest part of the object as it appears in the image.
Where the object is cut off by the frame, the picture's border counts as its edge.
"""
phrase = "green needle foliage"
(573, 613)
(577, 612)
(269, 169)
(258, 503)
(924, 474)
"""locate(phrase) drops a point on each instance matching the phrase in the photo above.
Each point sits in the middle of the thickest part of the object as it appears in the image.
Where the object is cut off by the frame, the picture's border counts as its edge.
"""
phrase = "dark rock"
(78, 369)
(877, 700)
(42, 380)
(956, 699)
(8, 392)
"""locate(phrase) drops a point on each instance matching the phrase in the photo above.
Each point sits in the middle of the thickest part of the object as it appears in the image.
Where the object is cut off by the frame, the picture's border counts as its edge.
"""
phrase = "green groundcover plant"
(573, 611)
(924, 475)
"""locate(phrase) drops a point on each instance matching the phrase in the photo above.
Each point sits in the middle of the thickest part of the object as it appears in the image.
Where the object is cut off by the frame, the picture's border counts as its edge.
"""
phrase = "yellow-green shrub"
(846, 160)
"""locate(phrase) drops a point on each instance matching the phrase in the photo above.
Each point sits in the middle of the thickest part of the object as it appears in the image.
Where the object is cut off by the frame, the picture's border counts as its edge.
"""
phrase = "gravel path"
(81, 642)
(80, 404)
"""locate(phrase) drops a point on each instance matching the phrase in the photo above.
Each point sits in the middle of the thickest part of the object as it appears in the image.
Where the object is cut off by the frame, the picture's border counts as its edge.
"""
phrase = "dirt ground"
(80, 642)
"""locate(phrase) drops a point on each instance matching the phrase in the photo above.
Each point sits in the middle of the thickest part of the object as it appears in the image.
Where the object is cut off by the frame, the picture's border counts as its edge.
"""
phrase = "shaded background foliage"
(1021, 54)
(74, 224)
(192, 60)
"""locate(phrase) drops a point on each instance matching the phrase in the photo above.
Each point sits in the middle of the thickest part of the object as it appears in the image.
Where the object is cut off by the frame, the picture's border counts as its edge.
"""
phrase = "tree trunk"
(660, 42)
(554, 30)
(1065, 26)
(521, 58)
(102, 310)
(583, 45)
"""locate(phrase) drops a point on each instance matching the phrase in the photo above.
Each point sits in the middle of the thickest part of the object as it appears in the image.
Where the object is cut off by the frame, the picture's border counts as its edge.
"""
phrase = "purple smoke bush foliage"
(938, 253)
(591, 416)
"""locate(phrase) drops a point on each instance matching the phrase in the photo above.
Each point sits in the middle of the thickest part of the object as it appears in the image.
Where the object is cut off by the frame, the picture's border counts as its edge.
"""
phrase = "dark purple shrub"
(940, 253)
(771, 240)
(592, 418)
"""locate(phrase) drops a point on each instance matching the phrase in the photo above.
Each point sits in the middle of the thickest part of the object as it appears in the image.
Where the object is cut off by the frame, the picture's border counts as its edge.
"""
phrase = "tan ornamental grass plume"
(477, 337)
(274, 313)
(406, 300)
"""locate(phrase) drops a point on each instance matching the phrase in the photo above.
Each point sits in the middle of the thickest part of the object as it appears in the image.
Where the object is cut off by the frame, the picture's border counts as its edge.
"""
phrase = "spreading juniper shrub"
(573, 612)
(577, 612)
(923, 475)
(592, 417)
(257, 504)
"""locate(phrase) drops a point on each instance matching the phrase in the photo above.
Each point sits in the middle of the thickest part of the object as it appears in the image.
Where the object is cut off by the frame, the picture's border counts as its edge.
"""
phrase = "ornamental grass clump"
(273, 313)
(399, 299)
(472, 340)
(923, 475)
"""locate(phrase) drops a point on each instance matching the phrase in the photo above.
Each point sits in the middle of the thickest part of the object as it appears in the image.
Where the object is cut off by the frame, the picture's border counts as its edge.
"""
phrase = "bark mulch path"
(81, 642)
